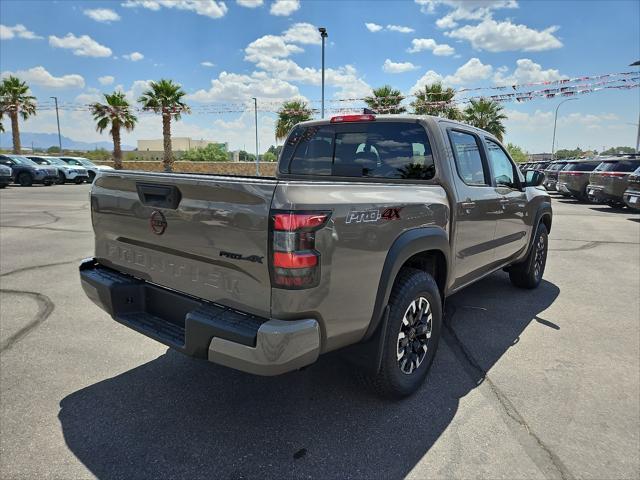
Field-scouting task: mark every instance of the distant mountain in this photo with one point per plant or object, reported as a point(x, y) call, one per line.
point(46, 140)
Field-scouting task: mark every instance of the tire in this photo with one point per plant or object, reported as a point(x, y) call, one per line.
point(528, 274)
point(3, 186)
point(78, 181)
point(61, 178)
point(400, 376)
point(92, 177)
point(25, 179)
point(48, 183)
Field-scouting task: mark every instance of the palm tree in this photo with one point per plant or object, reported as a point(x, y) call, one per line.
point(385, 99)
point(290, 114)
point(16, 102)
point(165, 97)
point(487, 115)
point(117, 113)
point(425, 98)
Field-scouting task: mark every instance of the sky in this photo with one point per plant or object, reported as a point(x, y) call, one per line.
point(223, 53)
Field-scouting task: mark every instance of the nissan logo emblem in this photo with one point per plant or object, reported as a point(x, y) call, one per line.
point(158, 222)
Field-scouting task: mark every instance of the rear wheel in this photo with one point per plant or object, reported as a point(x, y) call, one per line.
point(25, 179)
point(413, 332)
point(528, 274)
point(61, 178)
point(78, 181)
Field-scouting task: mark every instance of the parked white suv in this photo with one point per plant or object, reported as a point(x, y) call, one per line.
point(91, 167)
point(66, 172)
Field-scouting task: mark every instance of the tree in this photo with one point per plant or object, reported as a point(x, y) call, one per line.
point(244, 156)
point(16, 102)
point(275, 150)
point(165, 97)
point(214, 152)
point(53, 149)
point(565, 153)
point(616, 150)
point(425, 98)
point(290, 114)
point(116, 112)
point(269, 157)
point(518, 155)
point(487, 115)
point(386, 99)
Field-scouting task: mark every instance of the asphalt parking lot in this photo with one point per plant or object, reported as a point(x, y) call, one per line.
point(527, 384)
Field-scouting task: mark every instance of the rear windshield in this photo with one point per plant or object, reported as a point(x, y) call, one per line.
point(619, 166)
point(373, 150)
point(580, 167)
point(556, 166)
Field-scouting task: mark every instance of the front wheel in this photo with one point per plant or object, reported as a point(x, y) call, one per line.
point(528, 274)
point(413, 332)
point(61, 178)
point(25, 179)
point(78, 181)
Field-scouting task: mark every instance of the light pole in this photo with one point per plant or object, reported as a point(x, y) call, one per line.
point(555, 121)
point(58, 119)
point(637, 64)
point(323, 34)
point(255, 111)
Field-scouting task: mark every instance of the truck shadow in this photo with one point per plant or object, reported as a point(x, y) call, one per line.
point(178, 417)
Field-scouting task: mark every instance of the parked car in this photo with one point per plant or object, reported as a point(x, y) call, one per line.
point(632, 194)
point(551, 174)
point(273, 273)
point(26, 172)
point(66, 172)
point(610, 179)
point(92, 168)
point(6, 177)
point(574, 177)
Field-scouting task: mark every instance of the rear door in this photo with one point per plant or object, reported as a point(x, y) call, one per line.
point(201, 235)
point(511, 229)
point(477, 207)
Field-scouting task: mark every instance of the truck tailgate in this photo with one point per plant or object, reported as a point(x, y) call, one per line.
point(205, 236)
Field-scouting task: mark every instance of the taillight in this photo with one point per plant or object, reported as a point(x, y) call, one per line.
point(614, 174)
point(366, 117)
point(295, 264)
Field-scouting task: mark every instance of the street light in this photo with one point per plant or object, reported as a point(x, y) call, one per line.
point(323, 34)
point(58, 120)
point(555, 121)
point(255, 110)
point(637, 64)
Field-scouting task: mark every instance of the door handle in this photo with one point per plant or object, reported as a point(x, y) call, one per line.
point(504, 200)
point(468, 205)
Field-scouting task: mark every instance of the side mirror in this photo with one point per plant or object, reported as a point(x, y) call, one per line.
point(533, 178)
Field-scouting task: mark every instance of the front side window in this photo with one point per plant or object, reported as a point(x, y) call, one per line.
point(503, 170)
point(371, 150)
point(466, 151)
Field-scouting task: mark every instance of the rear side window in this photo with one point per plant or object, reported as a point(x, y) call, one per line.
point(619, 166)
point(372, 150)
point(466, 151)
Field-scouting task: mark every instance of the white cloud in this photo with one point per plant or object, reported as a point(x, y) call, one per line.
point(250, 3)
point(284, 8)
point(134, 56)
point(373, 27)
point(106, 80)
point(527, 71)
point(400, 28)
point(506, 36)
point(19, 30)
point(41, 77)
point(427, 79)
point(104, 15)
point(137, 87)
point(401, 67)
point(472, 71)
point(464, 9)
point(304, 33)
point(91, 95)
point(233, 86)
point(83, 46)
point(420, 44)
point(207, 64)
point(207, 8)
point(269, 46)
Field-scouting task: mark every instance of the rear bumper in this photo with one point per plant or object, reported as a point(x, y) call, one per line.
point(599, 194)
point(202, 329)
point(550, 184)
point(632, 199)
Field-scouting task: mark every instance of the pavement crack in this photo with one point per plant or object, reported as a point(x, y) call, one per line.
point(45, 308)
point(36, 267)
point(542, 455)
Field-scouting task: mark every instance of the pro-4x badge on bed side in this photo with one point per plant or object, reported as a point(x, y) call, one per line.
point(373, 215)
